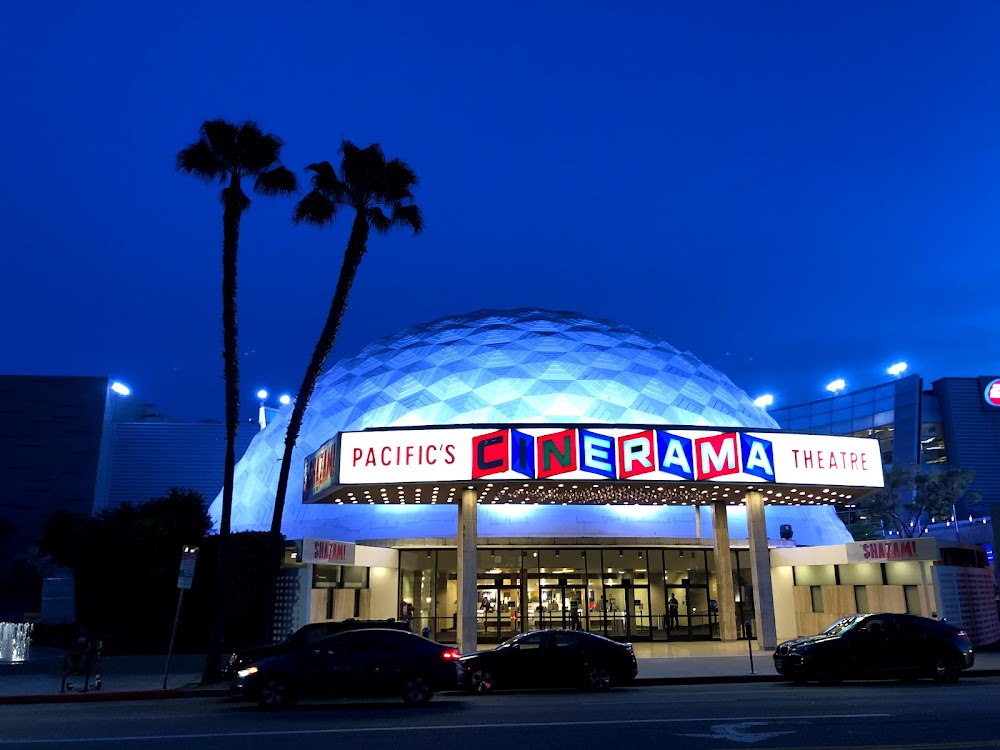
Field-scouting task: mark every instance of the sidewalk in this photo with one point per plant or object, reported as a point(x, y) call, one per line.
point(659, 664)
point(125, 677)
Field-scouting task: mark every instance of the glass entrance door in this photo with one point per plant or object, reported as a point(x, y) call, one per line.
point(562, 608)
point(627, 613)
point(499, 615)
point(615, 612)
point(690, 614)
point(640, 617)
point(508, 613)
point(487, 614)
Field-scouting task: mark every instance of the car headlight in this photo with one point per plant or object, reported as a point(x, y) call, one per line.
point(247, 672)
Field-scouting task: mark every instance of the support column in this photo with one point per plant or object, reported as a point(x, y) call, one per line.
point(760, 566)
point(723, 570)
point(697, 521)
point(467, 571)
point(925, 594)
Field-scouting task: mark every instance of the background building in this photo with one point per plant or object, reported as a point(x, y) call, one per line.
point(953, 423)
point(75, 443)
point(50, 446)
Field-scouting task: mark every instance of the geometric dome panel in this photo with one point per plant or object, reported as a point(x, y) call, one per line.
point(491, 366)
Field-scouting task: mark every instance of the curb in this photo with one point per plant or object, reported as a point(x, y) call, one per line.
point(97, 696)
point(100, 696)
point(752, 678)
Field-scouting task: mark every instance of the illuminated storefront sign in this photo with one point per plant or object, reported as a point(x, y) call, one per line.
point(605, 453)
point(327, 552)
point(992, 392)
point(318, 475)
point(896, 550)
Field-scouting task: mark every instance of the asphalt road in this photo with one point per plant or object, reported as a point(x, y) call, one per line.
point(769, 715)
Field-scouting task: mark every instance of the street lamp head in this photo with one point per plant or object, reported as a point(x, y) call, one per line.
point(284, 399)
point(120, 388)
point(897, 369)
point(764, 401)
point(836, 385)
point(261, 394)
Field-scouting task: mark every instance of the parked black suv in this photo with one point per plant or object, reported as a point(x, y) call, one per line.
point(876, 646)
point(304, 637)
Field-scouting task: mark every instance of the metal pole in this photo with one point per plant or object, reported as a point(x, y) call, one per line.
point(747, 631)
point(173, 635)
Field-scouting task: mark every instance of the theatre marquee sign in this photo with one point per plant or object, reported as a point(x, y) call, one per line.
point(599, 453)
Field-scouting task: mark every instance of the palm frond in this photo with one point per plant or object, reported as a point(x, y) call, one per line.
point(400, 179)
point(377, 220)
point(408, 217)
point(276, 181)
point(325, 180)
point(258, 151)
point(362, 169)
point(221, 137)
point(315, 208)
point(199, 160)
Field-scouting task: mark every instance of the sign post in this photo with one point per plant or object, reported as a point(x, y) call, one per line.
point(189, 556)
point(748, 634)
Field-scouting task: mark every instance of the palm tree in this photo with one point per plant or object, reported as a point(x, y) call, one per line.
point(230, 153)
point(380, 193)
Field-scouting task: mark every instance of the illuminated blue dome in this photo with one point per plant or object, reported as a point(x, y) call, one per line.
point(491, 366)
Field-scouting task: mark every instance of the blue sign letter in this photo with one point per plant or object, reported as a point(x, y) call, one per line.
point(522, 453)
point(597, 454)
point(758, 457)
point(675, 455)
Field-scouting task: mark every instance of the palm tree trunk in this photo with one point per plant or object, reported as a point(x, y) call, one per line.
point(230, 243)
point(356, 246)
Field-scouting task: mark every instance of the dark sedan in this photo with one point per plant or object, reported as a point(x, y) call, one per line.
point(307, 635)
point(552, 658)
point(358, 663)
point(877, 646)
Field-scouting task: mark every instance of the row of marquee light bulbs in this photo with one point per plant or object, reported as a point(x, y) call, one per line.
point(602, 494)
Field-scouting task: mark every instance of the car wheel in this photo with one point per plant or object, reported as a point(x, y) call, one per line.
point(946, 669)
point(482, 681)
point(417, 690)
point(274, 693)
point(598, 678)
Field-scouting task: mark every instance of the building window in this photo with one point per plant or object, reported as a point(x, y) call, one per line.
point(932, 448)
point(816, 594)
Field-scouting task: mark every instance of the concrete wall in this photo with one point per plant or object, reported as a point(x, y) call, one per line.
point(384, 583)
point(784, 606)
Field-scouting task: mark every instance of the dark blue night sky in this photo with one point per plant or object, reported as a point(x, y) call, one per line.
point(793, 193)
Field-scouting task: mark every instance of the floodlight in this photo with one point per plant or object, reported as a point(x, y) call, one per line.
point(284, 399)
point(764, 401)
point(836, 385)
point(897, 369)
point(120, 388)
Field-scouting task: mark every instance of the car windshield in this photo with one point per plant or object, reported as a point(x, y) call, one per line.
point(842, 626)
point(511, 641)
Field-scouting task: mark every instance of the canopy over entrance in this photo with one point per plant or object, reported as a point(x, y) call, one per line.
point(602, 465)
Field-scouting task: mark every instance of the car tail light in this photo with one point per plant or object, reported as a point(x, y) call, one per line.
point(450, 654)
point(963, 634)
